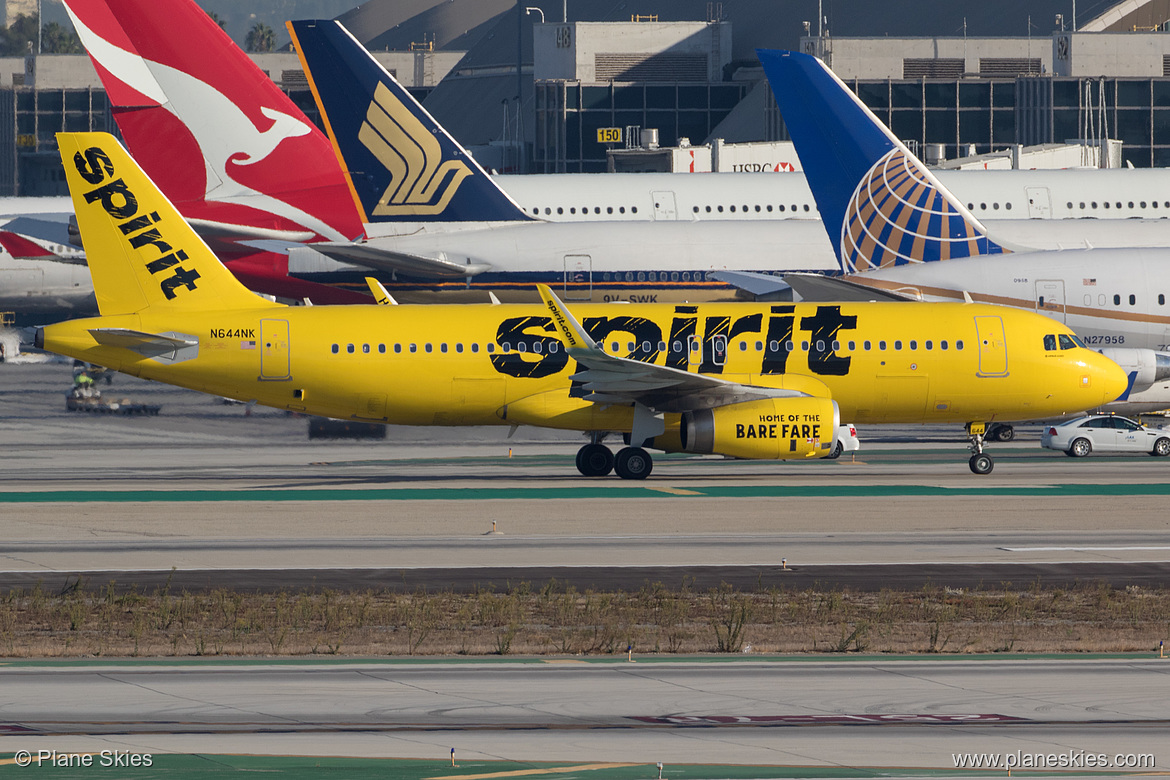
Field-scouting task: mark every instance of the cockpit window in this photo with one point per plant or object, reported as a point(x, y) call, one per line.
point(1050, 342)
point(1068, 342)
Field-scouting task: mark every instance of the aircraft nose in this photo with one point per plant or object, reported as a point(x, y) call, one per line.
point(1110, 378)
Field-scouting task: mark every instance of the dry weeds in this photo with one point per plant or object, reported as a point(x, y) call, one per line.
point(556, 620)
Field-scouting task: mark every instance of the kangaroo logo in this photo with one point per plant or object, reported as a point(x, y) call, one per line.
point(898, 216)
point(420, 183)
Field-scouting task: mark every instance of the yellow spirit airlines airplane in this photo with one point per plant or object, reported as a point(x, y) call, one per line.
point(745, 380)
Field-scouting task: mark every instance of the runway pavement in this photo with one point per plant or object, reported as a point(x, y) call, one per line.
point(884, 714)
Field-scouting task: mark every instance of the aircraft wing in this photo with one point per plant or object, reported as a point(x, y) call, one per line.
point(380, 259)
point(19, 245)
point(610, 379)
point(761, 286)
point(815, 287)
point(145, 344)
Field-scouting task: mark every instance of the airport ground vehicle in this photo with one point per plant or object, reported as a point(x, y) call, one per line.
point(1105, 433)
point(847, 441)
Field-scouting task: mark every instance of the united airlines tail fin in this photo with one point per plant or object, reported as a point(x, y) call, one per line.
point(402, 164)
point(141, 252)
point(212, 129)
point(879, 203)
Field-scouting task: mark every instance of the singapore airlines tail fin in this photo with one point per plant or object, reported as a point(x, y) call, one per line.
point(403, 166)
point(879, 203)
point(211, 128)
point(141, 252)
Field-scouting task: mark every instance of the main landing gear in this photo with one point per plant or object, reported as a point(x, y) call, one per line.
point(597, 460)
point(979, 463)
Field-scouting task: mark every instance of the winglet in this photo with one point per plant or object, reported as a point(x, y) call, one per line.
point(380, 295)
point(573, 335)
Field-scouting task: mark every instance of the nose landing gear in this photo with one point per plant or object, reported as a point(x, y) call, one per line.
point(979, 462)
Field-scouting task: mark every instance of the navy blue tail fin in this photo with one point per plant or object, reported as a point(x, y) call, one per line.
point(879, 203)
point(403, 166)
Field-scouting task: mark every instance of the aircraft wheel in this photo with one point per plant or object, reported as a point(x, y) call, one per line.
point(981, 464)
point(594, 460)
point(1161, 448)
point(1080, 448)
point(633, 463)
point(1005, 433)
point(836, 453)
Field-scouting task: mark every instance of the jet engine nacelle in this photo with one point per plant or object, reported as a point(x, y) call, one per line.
point(1145, 366)
point(773, 429)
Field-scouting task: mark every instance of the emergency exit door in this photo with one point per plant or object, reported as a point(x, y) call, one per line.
point(664, 205)
point(992, 346)
point(274, 351)
point(578, 278)
point(1039, 202)
point(1050, 298)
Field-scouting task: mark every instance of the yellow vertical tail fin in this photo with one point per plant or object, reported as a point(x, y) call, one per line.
point(141, 253)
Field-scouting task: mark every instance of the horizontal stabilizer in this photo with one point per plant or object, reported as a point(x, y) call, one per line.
point(43, 227)
point(388, 260)
point(145, 344)
point(815, 287)
point(761, 286)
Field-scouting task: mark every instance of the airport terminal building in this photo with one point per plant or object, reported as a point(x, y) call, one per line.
point(551, 87)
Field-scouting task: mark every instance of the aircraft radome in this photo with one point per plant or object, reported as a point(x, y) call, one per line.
point(765, 381)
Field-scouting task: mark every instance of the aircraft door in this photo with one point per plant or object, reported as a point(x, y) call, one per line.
point(992, 346)
point(578, 278)
point(719, 349)
point(665, 207)
point(274, 350)
point(1039, 202)
point(694, 352)
point(1050, 298)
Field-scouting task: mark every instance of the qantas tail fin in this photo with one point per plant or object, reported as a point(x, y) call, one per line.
point(402, 164)
point(141, 252)
point(880, 205)
point(214, 132)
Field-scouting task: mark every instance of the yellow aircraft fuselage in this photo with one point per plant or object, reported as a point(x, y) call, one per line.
point(504, 364)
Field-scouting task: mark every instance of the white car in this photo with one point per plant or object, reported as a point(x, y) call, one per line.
point(847, 441)
point(1105, 433)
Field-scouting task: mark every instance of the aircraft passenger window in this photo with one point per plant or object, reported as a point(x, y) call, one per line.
point(719, 209)
point(1101, 299)
point(366, 348)
point(459, 347)
point(641, 276)
point(662, 346)
point(609, 209)
point(381, 349)
point(769, 208)
point(397, 348)
point(942, 345)
point(629, 346)
point(1116, 300)
point(622, 210)
point(867, 345)
point(732, 209)
point(1105, 204)
point(1050, 342)
point(836, 345)
point(806, 207)
point(521, 347)
point(645, 346)
point(1088, 300)
point(1093, 204)
point(1167, 204)
point(547, 210)
point(695, 209)
point(1131, 204)
point(781, 207)
point(1066, 342)
point(789, 345)
point(745, 208)
point(676, 346)
point(1008, 206)
point(913, 344)
point(489, 347)
point(959, 344)
point(633, 209)
point(708, 209)
point(336, 349)
point(536, 210)
point(1041, 301)
point(995, 206)
point(349, 348)
point(929, 345)
point(983, 206)
point(443, 347)
point(553, 346)
point(573, 210)
point(759, 346)
point(882, 345)
point(1132, 300)
point(804, 346)
point(898, 344)
point(414, 347)
point(820, 346)
point(506, 347)
point(757, 208)
point(852, 345)
point(613, 347)
point(629, 276)
point(1118, 204)
point(674, 276)
point(1082, 205)
point(560, 210)
point(1070, 204)
point(597, 209)
point(694, 344)
point(1161, 299)
point(653, 276)
point(428, 347)
point(743, 346)
point(970, 206)
point(1142, 204)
